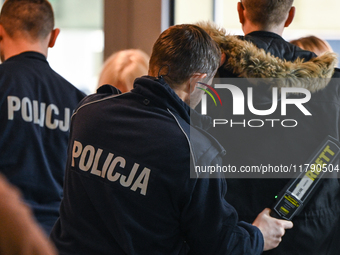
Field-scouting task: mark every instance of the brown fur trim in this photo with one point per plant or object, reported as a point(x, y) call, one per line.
point(248, 61)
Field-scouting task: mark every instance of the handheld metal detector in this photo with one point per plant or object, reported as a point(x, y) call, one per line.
point(296, 194)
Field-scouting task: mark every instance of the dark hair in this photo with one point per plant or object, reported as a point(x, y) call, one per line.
point(182, 50)
point(267, 12)
point(32, 17)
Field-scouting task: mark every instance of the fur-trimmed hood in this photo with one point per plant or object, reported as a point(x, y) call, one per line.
point(245, 60)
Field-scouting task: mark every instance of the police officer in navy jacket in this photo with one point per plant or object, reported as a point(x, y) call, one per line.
point(131, 180)
point(36, 105)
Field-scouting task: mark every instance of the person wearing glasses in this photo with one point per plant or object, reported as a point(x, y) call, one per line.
point(131, 185)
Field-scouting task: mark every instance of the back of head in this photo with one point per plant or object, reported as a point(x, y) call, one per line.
point(181, 51)
point(32, 19)
point(267, 13)
point(123, 67)
point(312, 43)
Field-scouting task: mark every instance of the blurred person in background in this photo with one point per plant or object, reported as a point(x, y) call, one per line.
point(123, 67)
point(313, 44)
point(19, 232)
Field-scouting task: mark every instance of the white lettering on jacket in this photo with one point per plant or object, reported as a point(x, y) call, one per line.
point(38, 113)
point(88, 158)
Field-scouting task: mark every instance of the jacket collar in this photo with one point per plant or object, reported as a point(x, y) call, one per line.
point(160, 93)
point(28, 54)
point(264, 34)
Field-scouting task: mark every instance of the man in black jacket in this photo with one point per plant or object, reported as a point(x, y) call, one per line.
point(36, 105)
point(128, 183)
point(275, 141)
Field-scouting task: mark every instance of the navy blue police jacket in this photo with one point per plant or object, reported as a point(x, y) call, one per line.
point(128, 188)
point(36, 105)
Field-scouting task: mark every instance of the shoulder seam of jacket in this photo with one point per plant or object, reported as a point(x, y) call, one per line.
point(97, 101)
point(188, 140)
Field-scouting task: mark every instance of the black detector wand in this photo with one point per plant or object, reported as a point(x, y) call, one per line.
point(296, 194)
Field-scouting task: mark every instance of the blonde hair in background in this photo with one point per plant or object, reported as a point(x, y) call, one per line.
point(313, 43)
point(123, 67)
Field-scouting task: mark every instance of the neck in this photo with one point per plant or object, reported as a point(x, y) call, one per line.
point(182, 94)
point(15, 47)
point(248, 28)
point(182, 91)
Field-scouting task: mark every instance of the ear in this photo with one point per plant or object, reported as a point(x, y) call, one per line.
point(196, 77)
point(290, 18)
point(53, 38)
point(223, 58)
point(240, 10)
point(2, 32)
